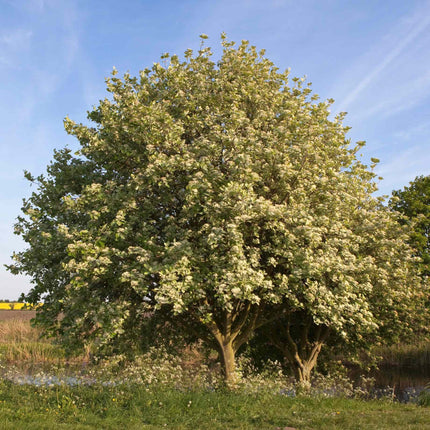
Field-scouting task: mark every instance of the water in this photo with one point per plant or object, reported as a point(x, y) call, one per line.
point(406, 381)
point(402, 383)
point(46, 375)
point(46, 378)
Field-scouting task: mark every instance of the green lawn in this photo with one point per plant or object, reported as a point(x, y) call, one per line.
point(97, 407)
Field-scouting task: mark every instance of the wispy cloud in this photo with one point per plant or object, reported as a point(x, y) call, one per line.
point(29, 5)
point(43, 54)
point(405, 96)
point(400, 39)
point(404, 167)
point(280, 3)
point(16, 38)
point(5, 61)
point(413, 132)
point(39, 4)
point(13, 42)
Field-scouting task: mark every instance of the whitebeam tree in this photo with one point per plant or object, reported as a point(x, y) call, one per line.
point(211, 190)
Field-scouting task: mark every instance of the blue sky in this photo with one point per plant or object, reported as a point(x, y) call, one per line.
point(372, 57)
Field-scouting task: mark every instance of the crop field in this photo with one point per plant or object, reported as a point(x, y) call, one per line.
point(11, 305)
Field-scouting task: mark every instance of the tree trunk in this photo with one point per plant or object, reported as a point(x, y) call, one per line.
point(230, 331)
point(228, 361)
point(303, 365)
point(302, 370)
point(300, 353)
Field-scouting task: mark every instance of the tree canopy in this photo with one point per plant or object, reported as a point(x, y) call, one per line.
point(220, 192)
point(413, 202)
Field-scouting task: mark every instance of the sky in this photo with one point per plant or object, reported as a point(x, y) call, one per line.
point(372, 57)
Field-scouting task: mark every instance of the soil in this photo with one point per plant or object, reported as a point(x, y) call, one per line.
point(8, 314)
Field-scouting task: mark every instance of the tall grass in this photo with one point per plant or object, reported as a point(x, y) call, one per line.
point(18, 330)
point(406, 355)
point(22, 343)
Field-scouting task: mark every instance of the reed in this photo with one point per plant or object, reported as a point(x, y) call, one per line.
point(30, 352)
point(405, 355)
point(22, 343)
point(19, 330)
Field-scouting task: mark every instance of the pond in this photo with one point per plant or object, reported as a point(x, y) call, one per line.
point(44, 375)
point(404, 382)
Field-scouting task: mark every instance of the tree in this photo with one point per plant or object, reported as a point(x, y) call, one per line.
point(357, 285)
point(413, 202)
point(213, 192)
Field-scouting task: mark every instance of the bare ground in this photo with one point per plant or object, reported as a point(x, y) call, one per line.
point(7, 314)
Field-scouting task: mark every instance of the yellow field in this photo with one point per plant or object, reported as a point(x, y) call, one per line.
point(13, 305)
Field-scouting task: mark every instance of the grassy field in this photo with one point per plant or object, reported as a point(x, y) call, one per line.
point(161, 399)
point(97, 407)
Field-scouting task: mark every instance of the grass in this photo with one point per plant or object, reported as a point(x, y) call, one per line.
point(136, 407)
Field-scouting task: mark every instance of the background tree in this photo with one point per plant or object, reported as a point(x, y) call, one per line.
point(212, 192)
point(413, 202)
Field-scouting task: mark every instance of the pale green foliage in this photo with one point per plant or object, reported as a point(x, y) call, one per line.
point(213, 191)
